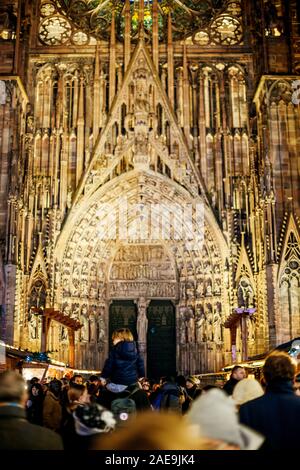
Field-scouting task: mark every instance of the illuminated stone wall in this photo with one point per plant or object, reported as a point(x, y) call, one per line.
point(132, 108)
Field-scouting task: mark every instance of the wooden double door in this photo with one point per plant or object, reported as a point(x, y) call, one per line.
point(161, 333)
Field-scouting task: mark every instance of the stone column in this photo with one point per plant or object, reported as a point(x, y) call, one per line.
point(244, 330)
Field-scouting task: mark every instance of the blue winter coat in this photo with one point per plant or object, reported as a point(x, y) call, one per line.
point(124, 365)
point(276, 415)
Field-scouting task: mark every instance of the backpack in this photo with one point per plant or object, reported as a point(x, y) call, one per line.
point(123, 408)
point(169, 400)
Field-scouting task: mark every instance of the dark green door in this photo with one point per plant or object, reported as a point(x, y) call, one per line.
point(122, 314)
point(161, 339)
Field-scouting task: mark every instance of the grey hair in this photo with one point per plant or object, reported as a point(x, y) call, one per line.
point(12, 386)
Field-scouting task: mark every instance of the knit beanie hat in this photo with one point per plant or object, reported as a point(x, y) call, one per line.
point(246, 390)
point(215, 414)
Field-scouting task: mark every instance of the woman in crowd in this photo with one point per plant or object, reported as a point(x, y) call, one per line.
point(52, 408)
point(34, 405)
point(76, 396)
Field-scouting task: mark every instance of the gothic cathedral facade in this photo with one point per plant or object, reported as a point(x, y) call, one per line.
point(149, 176)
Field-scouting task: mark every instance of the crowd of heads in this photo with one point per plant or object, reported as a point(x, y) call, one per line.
point(205, 417)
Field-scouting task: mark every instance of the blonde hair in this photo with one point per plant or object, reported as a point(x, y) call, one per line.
point(122, 334)
point(155, 431)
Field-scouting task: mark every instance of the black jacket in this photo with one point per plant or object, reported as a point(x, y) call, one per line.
point(229, 386)
point(276, 415)
point(16, 433)
point(124, 365)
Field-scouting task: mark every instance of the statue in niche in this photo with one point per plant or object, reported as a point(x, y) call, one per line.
point(66, 309)
point(200, 326)
point(217, 327)
point(217, 286)
point(208, 289)
point(209, 317)
point(142, 322)
point(93, 290)
point(199, 290)
point(190, 325)
point(84, 288)
point(75, 287)
point(76, 270)
point(93, 328)
point(85, 324)
point(32, 326)
point(101, 328)
point(245, 294)
point(190, 290)
point(141, 103)
point(250, 328)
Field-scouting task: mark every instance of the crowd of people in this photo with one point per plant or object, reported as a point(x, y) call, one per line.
point(122, 410)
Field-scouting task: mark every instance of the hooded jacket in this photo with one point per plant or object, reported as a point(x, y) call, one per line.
point(124, 365)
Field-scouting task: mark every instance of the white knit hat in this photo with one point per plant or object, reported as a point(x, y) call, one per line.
point(246, 390)
point(215, 414)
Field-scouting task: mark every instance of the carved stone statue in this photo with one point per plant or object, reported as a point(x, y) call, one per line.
point(85, 324)
point(209, 317)
point(208, 289)
point(93, 328)
point(217, 327)
point(250, 329)
point(200, 326)
point(101, 329)
point(245, 294)
point(32, 326)
point(142, 322)
point(182, 328)
point(190, 325)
